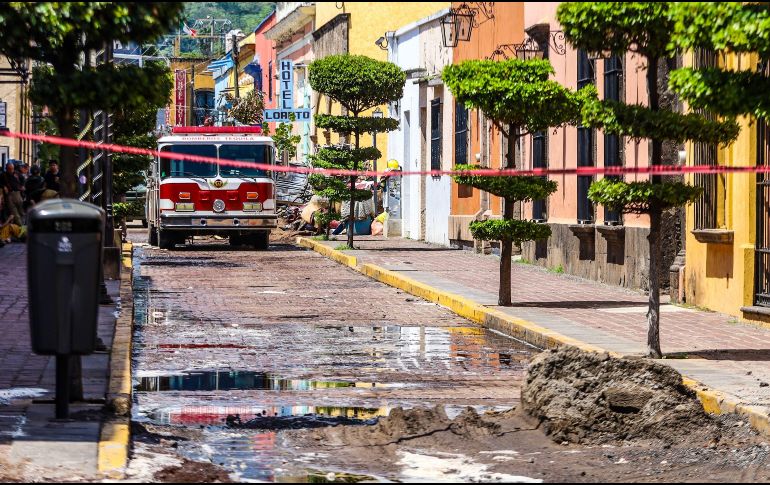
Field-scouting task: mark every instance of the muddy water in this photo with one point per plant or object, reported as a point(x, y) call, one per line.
point(243, 346)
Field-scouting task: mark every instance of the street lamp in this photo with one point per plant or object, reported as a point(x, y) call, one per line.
point(376, 114)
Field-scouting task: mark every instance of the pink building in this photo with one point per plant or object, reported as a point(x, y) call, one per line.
point(589, 241)
point(264, 55)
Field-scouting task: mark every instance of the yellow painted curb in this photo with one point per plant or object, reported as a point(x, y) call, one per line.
point(115, 436)
point(113, 449)
point(330, 253)
point(713, 401)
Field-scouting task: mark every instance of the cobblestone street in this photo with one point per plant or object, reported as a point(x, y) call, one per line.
point(222, 331)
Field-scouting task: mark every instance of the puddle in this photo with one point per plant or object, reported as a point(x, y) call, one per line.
point(8, 395)
point(239, 381)
point(261, 417)
point(253, 456)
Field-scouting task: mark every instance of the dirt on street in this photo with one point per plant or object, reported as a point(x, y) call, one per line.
point(643, 425)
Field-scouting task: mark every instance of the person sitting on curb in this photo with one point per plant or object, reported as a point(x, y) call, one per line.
point(10, 231)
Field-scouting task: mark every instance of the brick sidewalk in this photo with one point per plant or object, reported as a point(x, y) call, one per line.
point(30, 444)
point(722, 352)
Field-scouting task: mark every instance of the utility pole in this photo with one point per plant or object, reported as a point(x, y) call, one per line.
point(235, 60)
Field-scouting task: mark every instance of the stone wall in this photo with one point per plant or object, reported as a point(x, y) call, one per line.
point(614, 255)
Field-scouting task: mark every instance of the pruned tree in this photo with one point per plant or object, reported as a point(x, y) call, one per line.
point(358, 84)
point(519, 98)
point(58, 35)
point(644, 28)
point(249, 109)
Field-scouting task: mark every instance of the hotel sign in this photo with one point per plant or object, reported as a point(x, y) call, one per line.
point(286, 97)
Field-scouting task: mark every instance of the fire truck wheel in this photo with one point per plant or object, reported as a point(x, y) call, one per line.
point(167, 240)
point(152, 236)
point(261, 241)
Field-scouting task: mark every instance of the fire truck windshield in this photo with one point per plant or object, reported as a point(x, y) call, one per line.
point(256, 154)
point(172, 167)
point(261, 154)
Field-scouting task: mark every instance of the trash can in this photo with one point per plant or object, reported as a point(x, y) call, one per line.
point(64, 249)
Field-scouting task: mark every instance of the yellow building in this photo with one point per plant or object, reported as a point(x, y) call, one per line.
point(18, 116)
point(198, 82)
point(366, 23)
point(726, 267)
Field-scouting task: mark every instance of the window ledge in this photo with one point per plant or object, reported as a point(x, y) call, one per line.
point(713, 236)
point(582, 230)
point(612, 233)
point(756, 310)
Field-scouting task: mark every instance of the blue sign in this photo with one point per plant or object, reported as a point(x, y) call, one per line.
point(286, 98)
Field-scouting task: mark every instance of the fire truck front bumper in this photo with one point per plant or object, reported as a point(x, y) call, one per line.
point(218, 222)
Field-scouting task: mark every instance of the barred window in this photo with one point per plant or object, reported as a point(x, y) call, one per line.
point(707, 206)
point(540, 160)
point(461, 133)
point(435, 134)
point(613, 71)
point(585, 143)
point(270, 80)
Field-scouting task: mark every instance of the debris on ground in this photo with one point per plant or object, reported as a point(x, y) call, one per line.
point(590, 398)
point(193, 472)
point(307, 421)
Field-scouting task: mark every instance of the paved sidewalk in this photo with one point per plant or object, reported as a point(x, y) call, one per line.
point(721, 352)
point(33, 446)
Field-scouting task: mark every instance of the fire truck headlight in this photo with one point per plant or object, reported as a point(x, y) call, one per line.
point(185, 207)
point(252, 206)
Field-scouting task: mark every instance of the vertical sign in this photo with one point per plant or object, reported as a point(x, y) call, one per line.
point(180, 97)
point(286, 97)
point(3, 119)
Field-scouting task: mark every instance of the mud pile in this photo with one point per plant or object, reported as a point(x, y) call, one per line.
point(403, 425)
point(589, 398)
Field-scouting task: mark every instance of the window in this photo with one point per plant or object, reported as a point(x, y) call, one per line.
point(172, 167)
point(261, 154)
point(613, 70)
point(707, 206)
point(270, 81)
point(585, 144)
point(461, 133)
point(540, 160)
point(435, 134)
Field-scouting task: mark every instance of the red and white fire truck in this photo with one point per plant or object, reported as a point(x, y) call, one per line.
point(187, 198)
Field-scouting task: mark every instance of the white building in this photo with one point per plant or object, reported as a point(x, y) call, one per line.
point(424, 139)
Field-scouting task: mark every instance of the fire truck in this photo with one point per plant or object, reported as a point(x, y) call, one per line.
point(187, 198)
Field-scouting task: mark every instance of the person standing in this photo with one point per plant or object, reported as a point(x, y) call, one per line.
point(52, 176)
point(34, 186)
point(12, 191)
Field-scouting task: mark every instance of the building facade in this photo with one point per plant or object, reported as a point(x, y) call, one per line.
point(423, 140)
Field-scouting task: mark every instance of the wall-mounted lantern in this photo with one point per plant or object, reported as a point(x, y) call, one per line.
point(449, 29)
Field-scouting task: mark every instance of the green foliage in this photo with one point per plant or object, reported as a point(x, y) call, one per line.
point(733, 26)
point(642, 197)
point(343, 247)
point(512, 230)
point(728, 93)
point(249, 109)
point(284, 140)
point(336, 188)
point(349, 159)
point(56, 32)
point(244, 15)
point(108, 86)
point(513, 92)
point(55, 35)
point(518, 188)
point(639, 121)
point(617, 27)
point(346, 125)
point(121, 210)
point(134, 127)
point(47, 151)
point(358, 83)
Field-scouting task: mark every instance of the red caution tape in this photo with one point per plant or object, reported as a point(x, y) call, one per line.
point(490, 172)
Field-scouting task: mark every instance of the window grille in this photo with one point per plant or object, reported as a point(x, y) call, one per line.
point(435, 134)
point(707, 206)
point(613, 70)
point(585, 144)
point(540, 160)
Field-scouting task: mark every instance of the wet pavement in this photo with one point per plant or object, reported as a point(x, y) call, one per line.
point(235, 346)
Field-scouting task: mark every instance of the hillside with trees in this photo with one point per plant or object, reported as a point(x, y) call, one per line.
point(244, 15)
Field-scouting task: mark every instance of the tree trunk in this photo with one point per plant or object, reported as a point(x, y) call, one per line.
point(656, 214)
point(506, 247)
point(351, 216)
point(653, 312)
point(67, 156)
